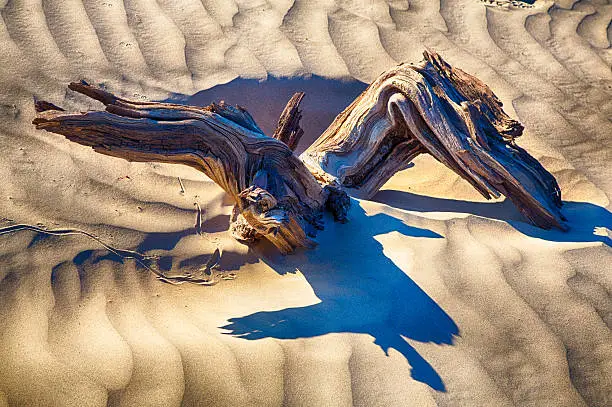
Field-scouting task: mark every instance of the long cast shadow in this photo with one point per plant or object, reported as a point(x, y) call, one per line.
point(324, 100)
point(360, 291)
point(583, 218)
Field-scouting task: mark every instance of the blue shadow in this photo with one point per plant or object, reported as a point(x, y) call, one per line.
point(582, 217)
point(360, 291)
point(324, 100)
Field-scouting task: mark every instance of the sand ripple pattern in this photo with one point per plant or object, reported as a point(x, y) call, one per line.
point(80, 328)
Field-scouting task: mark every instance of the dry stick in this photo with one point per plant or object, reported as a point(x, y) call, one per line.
point(213, 261)
point(198, 225)
point(124, 254)
point(182, 187)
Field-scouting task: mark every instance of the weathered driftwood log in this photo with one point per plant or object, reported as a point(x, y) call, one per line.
point(411, 109)
point(436, 109)
point(275, 194)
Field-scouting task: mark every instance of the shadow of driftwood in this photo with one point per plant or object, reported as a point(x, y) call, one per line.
point(583, 218)
point(361, 291)
point(324, 100)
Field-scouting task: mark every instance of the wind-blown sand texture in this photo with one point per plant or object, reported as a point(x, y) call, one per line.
point(428, 296)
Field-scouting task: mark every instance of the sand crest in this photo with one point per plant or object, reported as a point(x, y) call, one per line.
point(428, 296)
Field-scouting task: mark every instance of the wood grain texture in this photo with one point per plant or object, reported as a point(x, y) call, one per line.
point(440, 110)
point(288, 129)
point(276, 196)
point(409, 110)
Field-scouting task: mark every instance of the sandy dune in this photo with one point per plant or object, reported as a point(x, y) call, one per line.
point(429, 296)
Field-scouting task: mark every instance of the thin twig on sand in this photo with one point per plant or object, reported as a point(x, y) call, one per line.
point(140, 258)
point(181, 184)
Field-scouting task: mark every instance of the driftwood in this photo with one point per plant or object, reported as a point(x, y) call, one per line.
point(276, 196)
point(409, 110)
point(436, 109)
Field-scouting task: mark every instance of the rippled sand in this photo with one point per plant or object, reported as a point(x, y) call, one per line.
point(429, 296)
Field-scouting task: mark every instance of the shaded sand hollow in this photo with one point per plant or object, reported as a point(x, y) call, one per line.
point(428, 296)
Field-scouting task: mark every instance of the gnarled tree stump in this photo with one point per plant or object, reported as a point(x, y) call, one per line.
point(409, 110)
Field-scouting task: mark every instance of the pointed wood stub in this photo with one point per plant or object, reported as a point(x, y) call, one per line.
point(288, 129)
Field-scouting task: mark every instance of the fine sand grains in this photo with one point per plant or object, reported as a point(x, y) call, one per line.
point(428, 296)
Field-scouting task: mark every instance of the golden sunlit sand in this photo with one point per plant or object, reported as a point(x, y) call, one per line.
point(429, 295)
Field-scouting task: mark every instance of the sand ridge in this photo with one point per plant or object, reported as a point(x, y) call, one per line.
point(429, 288)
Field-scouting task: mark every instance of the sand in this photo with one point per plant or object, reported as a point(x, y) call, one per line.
point(428, 296)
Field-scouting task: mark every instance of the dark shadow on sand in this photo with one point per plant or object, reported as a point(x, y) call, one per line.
point(166, 241)
point(582, 217)
point(361, 291)
point(324, 100)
